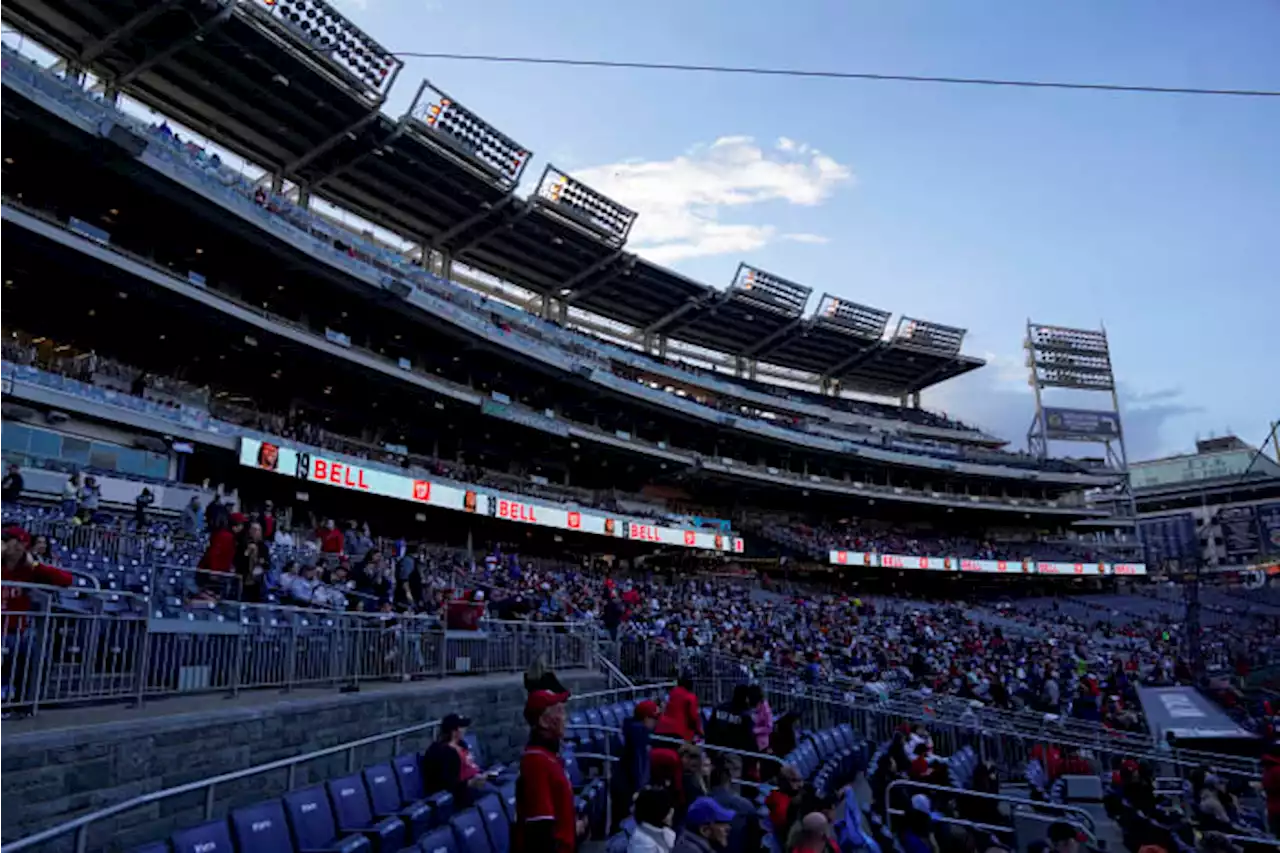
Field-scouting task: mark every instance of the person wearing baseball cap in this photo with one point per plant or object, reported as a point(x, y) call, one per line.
point(634, 765)
point(447, 765)
point(707, 825)
point(546, 819)
point(18, 565)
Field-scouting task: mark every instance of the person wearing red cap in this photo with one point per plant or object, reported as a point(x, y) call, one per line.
point(21, 567)
point(546, 820)
point(633, 767)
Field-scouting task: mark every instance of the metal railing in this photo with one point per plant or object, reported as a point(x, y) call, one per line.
point(81, 826)
point(57, 655)
point(1009, 738)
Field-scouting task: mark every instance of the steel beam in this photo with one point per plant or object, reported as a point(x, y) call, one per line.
point(122, 33)
point(173, 49)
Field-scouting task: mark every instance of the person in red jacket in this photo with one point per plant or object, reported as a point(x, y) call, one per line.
point(681, 718)
point(1271, 786)
point(20, 567)
point(219, 556)
point(546, 817)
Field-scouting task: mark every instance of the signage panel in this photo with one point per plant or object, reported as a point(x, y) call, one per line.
point(316, 468)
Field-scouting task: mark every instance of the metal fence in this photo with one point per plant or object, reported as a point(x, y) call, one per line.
point(55, 657)
point(1010, 739)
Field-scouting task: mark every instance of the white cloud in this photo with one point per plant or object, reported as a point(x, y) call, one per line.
point(681, 200)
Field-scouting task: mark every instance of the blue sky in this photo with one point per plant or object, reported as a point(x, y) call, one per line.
point(978, 207)
point(971, 206)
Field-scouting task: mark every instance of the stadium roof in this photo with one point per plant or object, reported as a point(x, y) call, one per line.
point(443, 177)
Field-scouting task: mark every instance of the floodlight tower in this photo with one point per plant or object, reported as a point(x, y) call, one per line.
point(1080, 360)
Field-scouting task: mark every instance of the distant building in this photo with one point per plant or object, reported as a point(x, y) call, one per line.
point(1221, 503)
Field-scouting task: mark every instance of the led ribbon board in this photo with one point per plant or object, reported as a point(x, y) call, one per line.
point(1025, 566)
point(331, 471)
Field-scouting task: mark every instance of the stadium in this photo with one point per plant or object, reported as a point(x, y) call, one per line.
point(333, 538)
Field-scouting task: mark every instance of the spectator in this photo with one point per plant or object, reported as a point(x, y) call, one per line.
point(695, 777)
point(251, 562)
point(778, 802)
point(301, 584)
point(447, 765)
point(917, 833)
point(783, 741)
point(71, 497)
point(217, 513)
point(681, 718)
point(20, 635)
point(707, 826)
point(1271, 786)
point(546, 818)
point(654, 815)
point(1064, 837)
point(633, 770)
point(11, 489)
point(268, 521)
point(90, 498)
point(331, 539)
point(815, 835)
point(762, 718)
point(192, 517)
point(141, 504)
point(220, 555)
point(743, 834)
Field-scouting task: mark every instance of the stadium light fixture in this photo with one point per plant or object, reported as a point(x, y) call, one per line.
point(585, 206)
point(335, 38)
point(930, 336)
point(769, 290)
point(1069, 358)
point(469, 135)
point(861, 320)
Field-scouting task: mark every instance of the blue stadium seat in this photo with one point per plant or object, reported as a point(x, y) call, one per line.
point(157, 847)
point(409, 777)
point(441, 808)
point(261, 828)
point(468, 831)
point(313, 824)
point(569, 758)
point(353, 813)
point(438, 841)
point(384, 797)
point(509, 801)
point(495, 822)
point(211, 837)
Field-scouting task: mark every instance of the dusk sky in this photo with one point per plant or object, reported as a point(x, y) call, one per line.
point(979, 207)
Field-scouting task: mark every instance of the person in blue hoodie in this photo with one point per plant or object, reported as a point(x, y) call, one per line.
point(633, 766)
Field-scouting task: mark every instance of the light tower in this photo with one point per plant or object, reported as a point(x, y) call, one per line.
point(1078, 360)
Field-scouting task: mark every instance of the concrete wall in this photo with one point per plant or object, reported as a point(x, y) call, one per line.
point(50, 776)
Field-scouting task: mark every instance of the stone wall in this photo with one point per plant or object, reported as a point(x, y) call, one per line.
point(49, 777)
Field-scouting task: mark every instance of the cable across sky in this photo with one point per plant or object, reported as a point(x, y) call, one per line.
point(841, 75)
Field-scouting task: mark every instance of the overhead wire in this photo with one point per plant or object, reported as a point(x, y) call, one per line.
point(839, 75)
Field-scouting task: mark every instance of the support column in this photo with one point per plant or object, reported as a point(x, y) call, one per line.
point(304, 196)
point(915, 400)
point(662, 346)
point(277, 183)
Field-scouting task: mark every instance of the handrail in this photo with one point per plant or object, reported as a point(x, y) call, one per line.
point(612, 669)
point(81, 824)
point(44, 587)
point(1003, 798)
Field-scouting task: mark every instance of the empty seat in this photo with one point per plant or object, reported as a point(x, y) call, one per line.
point(495, 822)
point(442, 806)
point(211, 837)
point(438, 841)
point(353, 812)
point(468, 831)
point(157, 847)
point(409, 777)
point(261, 828)
point(384, 797)
point(313, 824)
point(508, 793)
